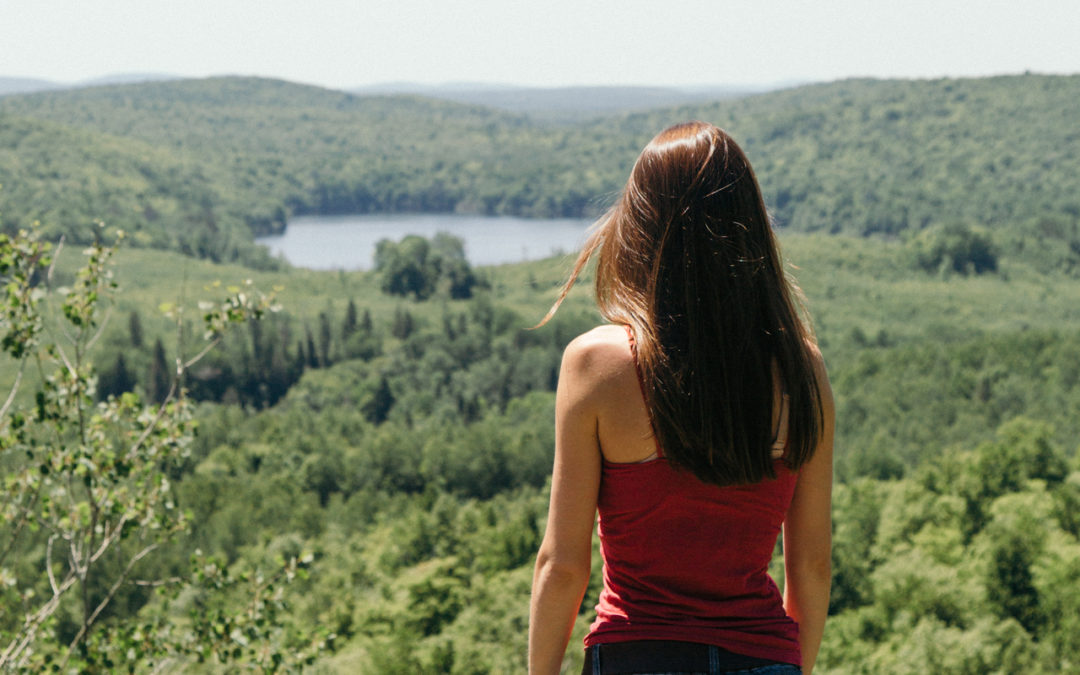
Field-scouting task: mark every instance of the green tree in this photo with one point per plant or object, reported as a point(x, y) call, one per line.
point(956, 247)
point(377, 408)
point(87, 499)
point(349, 324)
point(406, 267)
point(1010, 585)
point(418, 267)
point(403, 325)
point(456, 277)
point(159, 378)
point(325, 340)
point(135, 329)
point(116, 380)
point(312, 354)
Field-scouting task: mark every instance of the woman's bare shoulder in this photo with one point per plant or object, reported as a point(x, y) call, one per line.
point(817, 361)
point(601, 353)
point(604, 341)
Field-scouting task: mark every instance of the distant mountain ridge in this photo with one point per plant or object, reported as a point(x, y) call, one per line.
point(201, 165)
point(27, 85)
point(567, 103)
point(24, 85)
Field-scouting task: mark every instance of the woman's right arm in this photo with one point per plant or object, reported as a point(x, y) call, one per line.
point(808, 534)
point(564, 559)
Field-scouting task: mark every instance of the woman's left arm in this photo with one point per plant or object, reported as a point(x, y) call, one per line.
point(808, 534)
point(564, 559)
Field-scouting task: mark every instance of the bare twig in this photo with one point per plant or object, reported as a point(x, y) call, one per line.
point(101, 328)
point(108, 540)
point(154, 422)
point(63, 356)
point(24, 518)
point(52, 263)
point(76, 557)
point(105, 601)
point(156, 583)
point(48, 563)
point(14, 390)
point(14, 652)
point(183, 366)
point(159, 668)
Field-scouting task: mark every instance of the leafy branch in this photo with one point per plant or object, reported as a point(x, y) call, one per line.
point(88, 479)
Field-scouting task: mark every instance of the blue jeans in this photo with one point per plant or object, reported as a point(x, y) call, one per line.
point(707, 660)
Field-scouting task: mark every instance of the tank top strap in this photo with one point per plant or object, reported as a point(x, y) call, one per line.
point(780, 438)
point(641, 387)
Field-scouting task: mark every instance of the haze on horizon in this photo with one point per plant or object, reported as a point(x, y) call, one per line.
point(346, 44)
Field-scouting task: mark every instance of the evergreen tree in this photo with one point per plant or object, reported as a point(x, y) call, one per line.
point(160, 378)
point(257, 343)
point(116, 380)
point(377, 409)
point(403, 324)
point(135, 330)
point(312, 355)
point(349, 325)
point(300, 359)
point(325, 340)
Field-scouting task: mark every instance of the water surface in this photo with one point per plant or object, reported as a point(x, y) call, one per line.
point(348, 242)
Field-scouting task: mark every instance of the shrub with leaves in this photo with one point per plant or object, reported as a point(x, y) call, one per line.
point(87, 496)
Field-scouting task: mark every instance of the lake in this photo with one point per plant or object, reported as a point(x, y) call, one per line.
point(348, 242)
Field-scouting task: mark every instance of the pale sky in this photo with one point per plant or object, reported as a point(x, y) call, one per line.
point(347, 43)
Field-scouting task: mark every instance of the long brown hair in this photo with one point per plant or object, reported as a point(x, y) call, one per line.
point(687, 259)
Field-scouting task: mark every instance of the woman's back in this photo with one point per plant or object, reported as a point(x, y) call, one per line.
point(683, 559)
point(624, 428)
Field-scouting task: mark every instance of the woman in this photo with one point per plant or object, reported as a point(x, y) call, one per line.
point(698, 424)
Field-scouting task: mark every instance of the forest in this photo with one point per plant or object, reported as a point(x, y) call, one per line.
point(354, 477)
point(199, 166)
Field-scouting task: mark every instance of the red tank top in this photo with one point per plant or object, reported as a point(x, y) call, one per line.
point(686, 560)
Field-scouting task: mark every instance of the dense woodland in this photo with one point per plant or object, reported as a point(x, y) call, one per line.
point(393, 429)
point(199, 165)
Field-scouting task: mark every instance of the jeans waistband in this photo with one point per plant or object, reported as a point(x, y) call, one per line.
point(670, 656)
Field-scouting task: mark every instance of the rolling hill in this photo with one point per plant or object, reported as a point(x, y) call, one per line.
point(859, 156)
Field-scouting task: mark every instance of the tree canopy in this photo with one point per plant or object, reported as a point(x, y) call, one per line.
point(201, 165)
